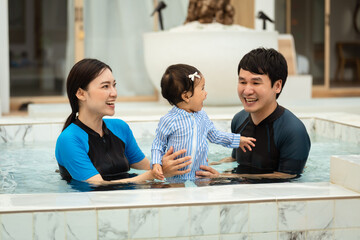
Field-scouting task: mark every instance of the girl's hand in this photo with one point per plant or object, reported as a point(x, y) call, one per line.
point(247, 142)
point(158, 172)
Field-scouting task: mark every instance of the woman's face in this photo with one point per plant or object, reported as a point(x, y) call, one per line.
point(100, 96)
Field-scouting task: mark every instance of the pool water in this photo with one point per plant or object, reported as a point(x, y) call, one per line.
point(31, 167)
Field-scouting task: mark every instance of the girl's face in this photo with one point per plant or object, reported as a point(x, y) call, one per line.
point(195, 102)
point(100, 96)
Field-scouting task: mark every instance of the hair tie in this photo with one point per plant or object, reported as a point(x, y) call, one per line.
point(192, 76)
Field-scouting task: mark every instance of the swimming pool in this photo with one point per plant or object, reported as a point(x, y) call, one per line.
point(310, 210)
point(31, 167)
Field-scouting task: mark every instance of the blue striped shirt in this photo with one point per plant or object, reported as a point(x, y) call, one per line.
point(184, 130)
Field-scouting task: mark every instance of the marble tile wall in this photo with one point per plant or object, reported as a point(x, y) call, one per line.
point(50, 131)
point(318, 219)
point(334, 130)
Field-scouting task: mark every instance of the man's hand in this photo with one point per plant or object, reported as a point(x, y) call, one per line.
point(224, 160)
point(208, 172)
point(171, 167)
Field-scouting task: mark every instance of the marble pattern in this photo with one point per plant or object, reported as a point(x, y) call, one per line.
point(320, 235)
point(347, 213)
point(16, 226)
point(204, 220)
point(113, 224)
point(294, 235)
point(144, 223)
point(263, 217)
point(234, 218)
point(81, 225)
point(292, 216)
point(174, 222)
point(320, 214)
point(49, 225)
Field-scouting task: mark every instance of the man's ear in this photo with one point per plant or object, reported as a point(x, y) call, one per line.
point(80, 94)
point(185, 96)
point(278, 86)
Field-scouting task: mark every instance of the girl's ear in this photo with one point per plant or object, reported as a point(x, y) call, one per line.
point(80, 94)
point(185, 96)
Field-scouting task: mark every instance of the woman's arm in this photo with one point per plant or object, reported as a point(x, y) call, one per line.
point(98, 180)
point(142, 165)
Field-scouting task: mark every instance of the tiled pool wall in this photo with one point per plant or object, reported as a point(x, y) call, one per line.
point(268, 215)
point(315, 219)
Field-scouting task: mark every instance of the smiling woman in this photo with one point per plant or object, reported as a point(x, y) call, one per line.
point(90, 148)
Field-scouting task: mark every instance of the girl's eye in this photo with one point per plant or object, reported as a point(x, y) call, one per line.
point(105, 86)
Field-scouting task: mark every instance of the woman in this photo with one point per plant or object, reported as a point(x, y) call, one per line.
point(97, 150)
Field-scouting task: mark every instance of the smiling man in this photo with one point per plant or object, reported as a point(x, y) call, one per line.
point(282, 142)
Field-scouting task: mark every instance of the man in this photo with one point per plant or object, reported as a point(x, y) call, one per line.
point(282, 143)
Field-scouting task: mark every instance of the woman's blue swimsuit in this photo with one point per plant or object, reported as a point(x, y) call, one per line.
point(82, 153)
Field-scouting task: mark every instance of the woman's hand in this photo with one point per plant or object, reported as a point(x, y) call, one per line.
point(171, 166)
point(208, 172)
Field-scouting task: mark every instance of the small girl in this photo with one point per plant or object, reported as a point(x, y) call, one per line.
point(186, 126)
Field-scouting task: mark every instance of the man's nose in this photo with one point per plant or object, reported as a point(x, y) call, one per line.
point(248, 89)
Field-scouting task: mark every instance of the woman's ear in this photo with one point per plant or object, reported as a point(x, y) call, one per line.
point(185, 96)
point(80, 94)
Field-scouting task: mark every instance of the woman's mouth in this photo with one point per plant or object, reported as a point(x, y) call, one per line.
point(110, 103)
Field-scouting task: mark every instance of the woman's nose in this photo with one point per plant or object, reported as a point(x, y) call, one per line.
point(113, 91)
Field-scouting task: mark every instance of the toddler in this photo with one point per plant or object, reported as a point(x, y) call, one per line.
point(186, 125)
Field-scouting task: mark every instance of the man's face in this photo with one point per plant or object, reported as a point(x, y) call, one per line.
point(256, 93)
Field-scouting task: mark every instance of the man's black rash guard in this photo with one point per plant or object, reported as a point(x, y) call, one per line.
point(282, 143)
point(82, 153)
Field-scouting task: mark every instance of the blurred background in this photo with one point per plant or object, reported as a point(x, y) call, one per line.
point(46, 37)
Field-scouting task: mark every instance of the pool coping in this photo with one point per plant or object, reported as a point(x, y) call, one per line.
point(149, 198)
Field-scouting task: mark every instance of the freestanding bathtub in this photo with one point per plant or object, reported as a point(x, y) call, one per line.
point(320, 210)
point(215, 52)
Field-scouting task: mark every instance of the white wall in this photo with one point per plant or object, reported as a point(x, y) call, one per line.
point(4, 58)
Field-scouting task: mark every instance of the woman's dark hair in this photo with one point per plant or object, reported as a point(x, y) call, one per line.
point(266, 61)
point(80, 75)
point(176, 81)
